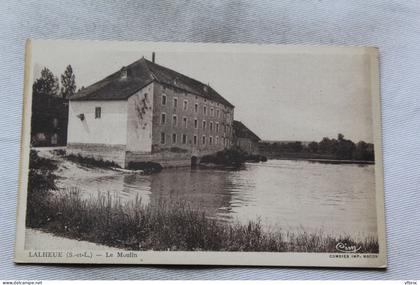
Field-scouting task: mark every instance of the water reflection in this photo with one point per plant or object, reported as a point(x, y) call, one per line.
point(291, 195)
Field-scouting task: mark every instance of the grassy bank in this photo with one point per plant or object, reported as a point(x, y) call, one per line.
point(174, 226)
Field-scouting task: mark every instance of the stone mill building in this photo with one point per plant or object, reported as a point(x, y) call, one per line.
point(147, 112)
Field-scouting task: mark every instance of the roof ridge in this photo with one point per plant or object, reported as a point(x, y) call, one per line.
point(177, 72)
point(140, 73)
point(144, 61)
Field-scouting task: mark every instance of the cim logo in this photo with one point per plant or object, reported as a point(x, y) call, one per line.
point(344, 247)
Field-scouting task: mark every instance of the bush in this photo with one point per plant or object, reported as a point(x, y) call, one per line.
point(60, 152)
point(255, 158)
point(147, 166)
point(91, 161)
point(230, 157)
point(41, 180)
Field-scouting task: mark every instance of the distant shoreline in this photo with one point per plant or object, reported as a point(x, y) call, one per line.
point(324, 160)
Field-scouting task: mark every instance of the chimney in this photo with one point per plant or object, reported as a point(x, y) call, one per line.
point(153, 57)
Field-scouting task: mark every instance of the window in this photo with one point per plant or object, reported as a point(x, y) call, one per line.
point(184, 120)
point(123, 73)
point(217, 113)
point(173, 138)
point(217, 140)
point(185, 106)
point(210, 140)
point(162, 118)
point(211, 112)
point(175, 103)
point(195, 139)
point(163, 99)
point(203, 140)
point(217, 127)
point(162, 138)
point(204, 125)
point(184, 139)
point(174, 120)
point(196, 107)
point(97, 112)
point(54, 139)
point(211, 126)
point(205, 110)
point(195, 123)
point(224, 127)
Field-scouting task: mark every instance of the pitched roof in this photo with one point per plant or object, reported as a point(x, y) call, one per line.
point(241, 131)
point(140, 74)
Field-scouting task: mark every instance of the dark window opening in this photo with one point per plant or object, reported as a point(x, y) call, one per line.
point(97, 112)
point(162, 138)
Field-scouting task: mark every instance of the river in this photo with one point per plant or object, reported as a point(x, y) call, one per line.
point(290, 195)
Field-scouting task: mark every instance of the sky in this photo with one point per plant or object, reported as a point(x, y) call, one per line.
point(279, 92)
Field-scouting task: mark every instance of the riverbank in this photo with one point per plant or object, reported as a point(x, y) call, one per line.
point(328, 161)
point(317, 158)
point(39, 240)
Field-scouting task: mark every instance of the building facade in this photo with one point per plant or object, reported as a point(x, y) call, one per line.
point(147, 112)
point(245, 139)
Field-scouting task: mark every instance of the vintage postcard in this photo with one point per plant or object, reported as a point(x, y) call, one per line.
point(201, 154)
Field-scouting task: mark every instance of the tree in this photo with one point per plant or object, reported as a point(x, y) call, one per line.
point(345, 148)
point(324, 146)
point(49, 110)
point(364, 151)
point(46, 85)
point(68, 83)
point(313, 147)
point(296, 146)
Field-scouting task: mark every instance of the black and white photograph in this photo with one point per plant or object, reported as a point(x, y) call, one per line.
point(211, 154)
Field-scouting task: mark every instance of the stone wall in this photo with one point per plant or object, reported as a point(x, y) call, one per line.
point(164, 158)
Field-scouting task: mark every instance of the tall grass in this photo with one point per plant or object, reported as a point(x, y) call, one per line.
point(169, 226)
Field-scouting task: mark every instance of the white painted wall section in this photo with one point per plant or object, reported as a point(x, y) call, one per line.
point(110, 128)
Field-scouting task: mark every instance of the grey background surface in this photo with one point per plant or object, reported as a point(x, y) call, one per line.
point(393, 26)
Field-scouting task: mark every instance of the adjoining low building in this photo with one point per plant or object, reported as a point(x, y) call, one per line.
point(147, 112)
point(244, 138)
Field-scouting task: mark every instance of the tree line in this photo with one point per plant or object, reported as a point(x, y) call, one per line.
point(50, 107)
point(331, 148)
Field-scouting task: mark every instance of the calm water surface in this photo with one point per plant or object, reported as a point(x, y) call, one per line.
point(283, 194)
